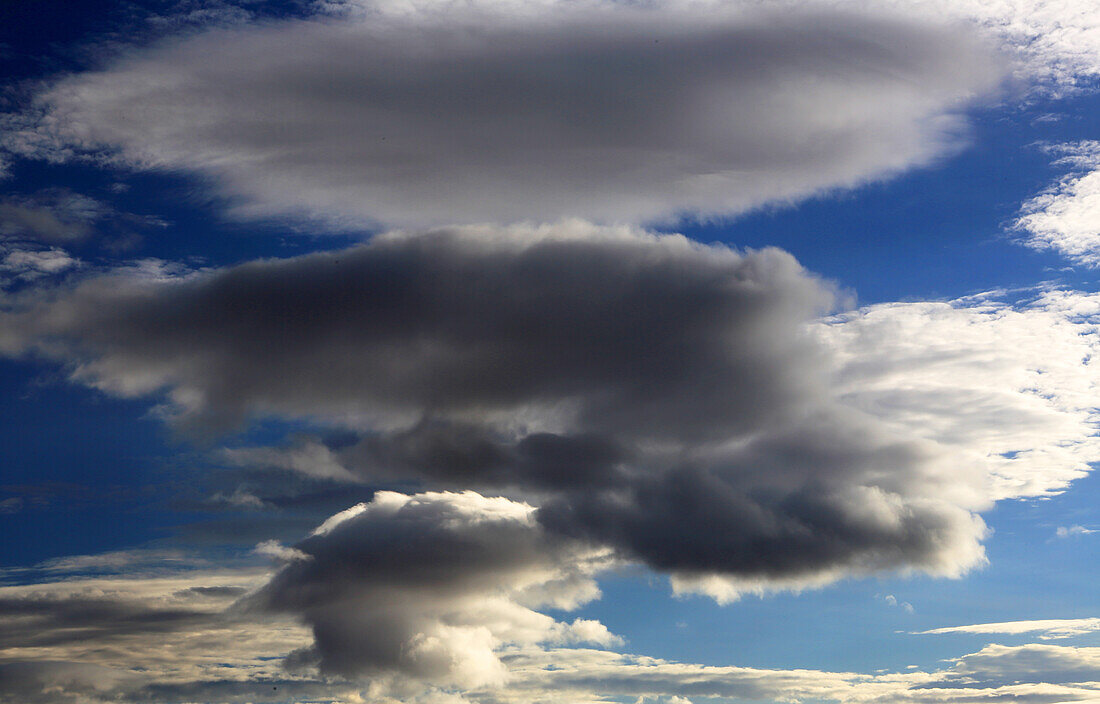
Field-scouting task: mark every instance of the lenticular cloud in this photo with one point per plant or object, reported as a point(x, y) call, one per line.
point(448, 115)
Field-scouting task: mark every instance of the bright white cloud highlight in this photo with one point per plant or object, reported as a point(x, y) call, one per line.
point(1011, 388)
point(1066, 216)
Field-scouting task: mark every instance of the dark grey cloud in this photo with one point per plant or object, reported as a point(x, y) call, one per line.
point(648, 393)
point(606, 330)
point(831, 493)
point(465, 114)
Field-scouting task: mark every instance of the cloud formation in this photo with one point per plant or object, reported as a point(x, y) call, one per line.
point(1007, 385)
point(1047, 628)
point(634, 387)
point(428, 587)
point(638, 388)
point(1065, 216)
point(458, 114)
point(170, 633)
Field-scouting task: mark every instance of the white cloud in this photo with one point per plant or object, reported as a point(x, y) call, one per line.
point(1049, 628)
point(1066, 216)
point(1007, 387)
point(892, 600)
point(1071, 531)
point(1026, 674)
point(27, 263)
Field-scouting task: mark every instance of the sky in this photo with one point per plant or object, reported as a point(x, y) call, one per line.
point(549, 351)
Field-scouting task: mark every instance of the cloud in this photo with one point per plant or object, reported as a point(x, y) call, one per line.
point(892, 600)
point(1033, 674)
point(1064, 217)
point(56, 216)
point(1001, 384)
point(1048, 628)
point(36, 229)
point(429, 587)
point(998, 665)
point(23, 264)
point(106, 637)
point(176, 636)
point(637, 388)
point(458, 114)
point(1071, 531)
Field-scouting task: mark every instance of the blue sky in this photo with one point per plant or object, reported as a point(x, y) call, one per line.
point(512, 351)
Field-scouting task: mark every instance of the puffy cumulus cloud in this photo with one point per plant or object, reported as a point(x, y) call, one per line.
point(1064, 217)
point(476, 112)
point(427, 588)
point(652, 394)
point(1047, 628)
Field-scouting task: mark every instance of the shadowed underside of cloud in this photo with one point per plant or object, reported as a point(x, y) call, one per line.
point(602, 111)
